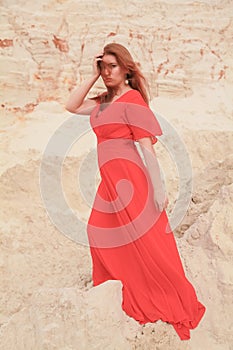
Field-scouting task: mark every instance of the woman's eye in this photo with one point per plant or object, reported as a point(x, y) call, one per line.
point(114, 65)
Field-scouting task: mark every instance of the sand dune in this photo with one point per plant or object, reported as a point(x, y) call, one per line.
point(47, 298)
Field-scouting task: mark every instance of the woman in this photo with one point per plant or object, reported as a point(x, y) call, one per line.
point(128, 229)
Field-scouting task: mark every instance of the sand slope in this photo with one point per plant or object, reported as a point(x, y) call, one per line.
point(185, 49)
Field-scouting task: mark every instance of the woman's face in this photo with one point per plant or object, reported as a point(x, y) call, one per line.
point(112, 74)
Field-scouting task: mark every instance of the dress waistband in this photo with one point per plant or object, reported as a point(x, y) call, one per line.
point(114, 141)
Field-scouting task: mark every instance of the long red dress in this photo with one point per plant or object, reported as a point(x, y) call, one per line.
point(129, 239)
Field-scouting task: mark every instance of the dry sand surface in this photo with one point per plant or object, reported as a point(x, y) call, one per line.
point(185, 49)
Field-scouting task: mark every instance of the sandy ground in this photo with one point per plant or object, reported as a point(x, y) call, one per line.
point(47, 298)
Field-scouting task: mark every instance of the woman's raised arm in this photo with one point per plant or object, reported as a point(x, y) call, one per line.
point(77, 103)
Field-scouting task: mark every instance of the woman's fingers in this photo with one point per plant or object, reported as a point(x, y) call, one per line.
point(161, 205)
point(165, 204)
point(97, 58)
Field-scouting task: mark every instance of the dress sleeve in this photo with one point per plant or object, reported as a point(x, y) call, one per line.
point(141, 120)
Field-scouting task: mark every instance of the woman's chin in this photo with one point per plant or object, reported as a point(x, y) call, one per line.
point(109, 83)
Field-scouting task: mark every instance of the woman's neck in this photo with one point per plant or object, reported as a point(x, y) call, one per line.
point(118, 91)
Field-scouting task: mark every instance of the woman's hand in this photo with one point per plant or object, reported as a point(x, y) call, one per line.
point(95, 66)
point(161, 201)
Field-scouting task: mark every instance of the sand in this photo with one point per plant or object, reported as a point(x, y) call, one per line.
point(185, 50)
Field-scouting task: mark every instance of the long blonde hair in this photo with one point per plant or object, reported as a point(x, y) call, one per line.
point(135, 78)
